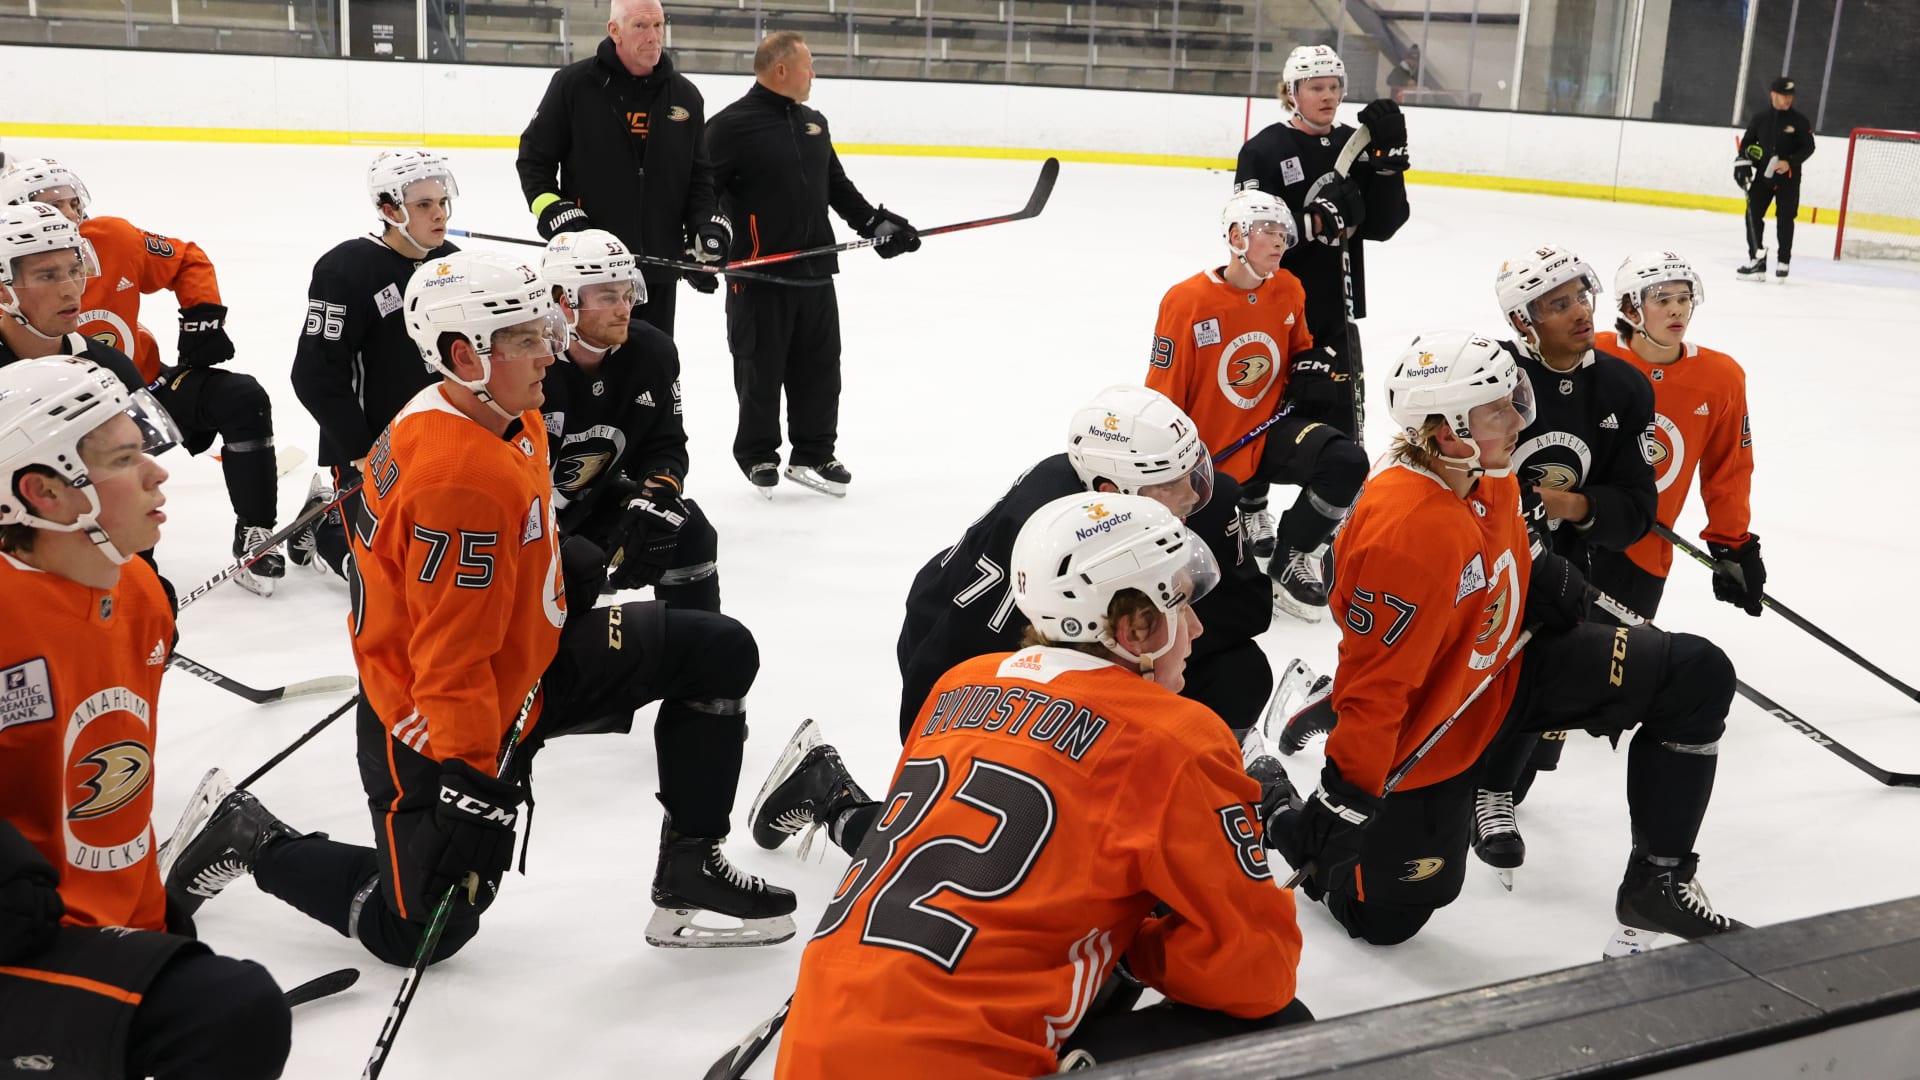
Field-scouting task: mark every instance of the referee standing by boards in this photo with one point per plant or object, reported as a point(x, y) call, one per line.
point(1777, 142)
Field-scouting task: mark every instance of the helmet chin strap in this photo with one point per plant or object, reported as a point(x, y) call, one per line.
point(13, 309)
point(1143, 662)
point(1240, 256)
point(88, 523)
point(1640, 327)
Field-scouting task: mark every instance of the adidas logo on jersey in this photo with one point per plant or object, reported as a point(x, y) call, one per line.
point(1611, 423)
point(123, 286)
point(159, 654)
point(1702, 410)
point(645, 398)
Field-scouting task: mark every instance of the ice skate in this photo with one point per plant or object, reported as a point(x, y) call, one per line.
point(1655, 900)
point(1496, 834)
point(303, 547)
point(213, 788)
point(764, 475)
point(1780, 270)
point(1256, 525)
point(807, 789)
point(1313, 718)
point(224, 851)
point(1755, 270)
point(1256, 757)
point(260, 576)
point(694, 878)
point(830, 478)
point(1295, 680)
point(1297, 588)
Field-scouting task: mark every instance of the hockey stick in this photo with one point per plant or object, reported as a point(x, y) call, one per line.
point(734, 1063)
point(332, 684)
point(1258, 431)
point(306, 519)
point(1732, 570)
point(437, 925)
point(1036, 202)
point(333, 982)
point(1774, 708)
point(650, 260)
point(1433, 739)
point(1343, 165)
point(299, 742)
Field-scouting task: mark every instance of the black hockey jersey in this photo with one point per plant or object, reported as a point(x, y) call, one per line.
point(1294, 165)
point(624, 420)
point(1590, 435)
point(961, 603)
point(97, 351)
point(355, 365)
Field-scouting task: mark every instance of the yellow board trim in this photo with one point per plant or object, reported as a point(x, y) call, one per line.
point(1521, 185)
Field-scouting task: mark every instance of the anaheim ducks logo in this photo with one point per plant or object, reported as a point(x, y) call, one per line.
point(1656, 452)
point(122, 771)
point(1665, 448)
point(1493, 618)
point(1554, 475)
point(677, 113)
point(1246, 371)
point(813, 128)
point(1422, 869)
point(576, 471)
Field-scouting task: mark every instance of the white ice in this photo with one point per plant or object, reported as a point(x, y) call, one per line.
point(962, 363)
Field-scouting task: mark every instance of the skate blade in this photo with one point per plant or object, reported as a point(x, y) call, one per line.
point(1296, 678)
point(818, 483)
point(213, 788)
point(258, 586)
point(1285, 604)
point(805, 737)
point(1506, 878)
point(675, 928)
point(764, 492)
point(1629, 941)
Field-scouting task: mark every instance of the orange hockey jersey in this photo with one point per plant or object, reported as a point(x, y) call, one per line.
point(1429, 589)
point(1700, 423)
point(133, 262)
point(1046, 801)
point(459, 601)
point(1221, 354)
point(79, 684)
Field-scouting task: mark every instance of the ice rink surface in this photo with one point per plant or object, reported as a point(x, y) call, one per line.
point(962, 363)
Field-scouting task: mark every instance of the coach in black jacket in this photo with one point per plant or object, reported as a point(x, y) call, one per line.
point(1775, 145)
point(618, 144)
point(776, 173)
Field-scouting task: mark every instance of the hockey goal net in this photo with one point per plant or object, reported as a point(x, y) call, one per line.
point(1880, 197)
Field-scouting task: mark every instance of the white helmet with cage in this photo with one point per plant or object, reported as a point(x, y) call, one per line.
point(1136, 438)
point(1449, 373)
point(1077, 552)
point(394, 171)
point(27, 180)
point(1310, 62)
point(576, 260)
point(1644, 270)
point(1524, 280)
point(32, 229)
point(476, 295)
point(47, 406)
point(1249, 206)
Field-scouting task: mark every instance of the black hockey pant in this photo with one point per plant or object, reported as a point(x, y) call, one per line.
point(785, 338)
point(1784, 195)
point(1169, 1025)
point(210, 401)
point(1329, 468)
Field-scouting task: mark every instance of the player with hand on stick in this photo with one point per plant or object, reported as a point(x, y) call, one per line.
point(1231, 348)
point(99, 972)
point(1435, 580)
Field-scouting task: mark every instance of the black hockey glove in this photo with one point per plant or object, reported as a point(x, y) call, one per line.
point(1556, 593)
point(583, 572)
point(1341, 206)
point(30, 904)
point(644, 540)
point(701, 281)
point(1277, 793)
point(1310, 382)
point(203, 335)
point(896, 234)
point(562, 215)
point(1740, 578)
point(1387, 136)
point(470, 832)
point(712, 239)
point(1330, 830)
point(1743, 174)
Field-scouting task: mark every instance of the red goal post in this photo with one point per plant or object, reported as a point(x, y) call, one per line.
point(1880, 196)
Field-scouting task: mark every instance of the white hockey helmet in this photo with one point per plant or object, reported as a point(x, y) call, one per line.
point(476, 294)
point(26, 180)
point(1249, 205)
point(46, 407)
point(1522, 281)
point(1310, 62)
point(1136, 438)
point(575, 260)
point(32, 228)
point(394, 171)
point(1077, 552)
point(1643, 270)
point(1448, 373)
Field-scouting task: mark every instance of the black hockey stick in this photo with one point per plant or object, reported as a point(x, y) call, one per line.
point(1342, 165)
point(333, 982)
point(1259, 430)
point(650, 260)
point(306, 519)
point(1036, 202)
point(332, 684)
point(1775, 709)
point(299, 742)
point(734, 1063)
point(1732, 570)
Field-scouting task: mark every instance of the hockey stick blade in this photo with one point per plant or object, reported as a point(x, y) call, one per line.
point(1820, 738)
point(649, 260)
point(331, 684)
point(333, 982)
point(738, 1059)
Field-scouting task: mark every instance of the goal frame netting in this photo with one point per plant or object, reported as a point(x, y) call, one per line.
point(1867, 219)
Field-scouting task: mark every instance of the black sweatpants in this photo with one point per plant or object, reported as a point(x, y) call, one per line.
point(211, 401)
point(1784, 195)
point(785, 338)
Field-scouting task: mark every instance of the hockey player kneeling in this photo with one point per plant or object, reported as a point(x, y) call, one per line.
point(1047, 803)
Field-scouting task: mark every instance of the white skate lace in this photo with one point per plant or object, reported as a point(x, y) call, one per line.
point(1493, 813)
point(718, 866)
point(217, 876)
point(1259, 526)
point(1694, 899)
point(1300, 567)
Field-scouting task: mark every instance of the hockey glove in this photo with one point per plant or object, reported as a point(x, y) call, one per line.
point(467, 841)
point(562, 215)
point(583, 572)
point(1339, 208)
point(1743, 174)
point(203, 335)
point(896, 234)
point(702, 282)
point(30, 904)
point(1740, 578)
point(1277, 793)
point(712, 239)
point(1330, 830)
point(644, 540)
point(1387, 129)
point(1310, 382)
point(1556, 593)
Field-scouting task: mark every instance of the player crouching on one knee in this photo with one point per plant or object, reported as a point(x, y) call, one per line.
point(99, 973)
point(1113, 797)
point(458, 634)
point(1436, 576)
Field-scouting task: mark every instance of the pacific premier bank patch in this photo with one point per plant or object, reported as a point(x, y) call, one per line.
point(26, 693)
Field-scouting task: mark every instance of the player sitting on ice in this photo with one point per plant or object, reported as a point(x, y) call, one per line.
point(457, 631)
point(1434, 583)
point(1103, 797)
point(1231, 348)
point(205, 400)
